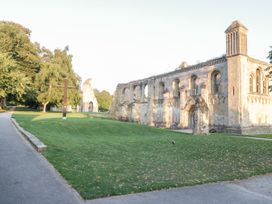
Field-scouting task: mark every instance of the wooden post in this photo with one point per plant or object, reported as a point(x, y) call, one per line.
point(65, 98)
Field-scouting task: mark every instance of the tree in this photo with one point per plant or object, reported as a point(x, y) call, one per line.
point(15, 42)
point(16, 47)
point(12, 81)
point(104, 100)
point(270, 55)
point(269, 68)
point(55, 67)
point(31, 74)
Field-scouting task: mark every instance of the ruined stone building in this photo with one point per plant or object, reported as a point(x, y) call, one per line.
point(89, 102)
point(226, 94)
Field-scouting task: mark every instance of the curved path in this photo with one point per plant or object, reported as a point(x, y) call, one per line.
point(26, 177)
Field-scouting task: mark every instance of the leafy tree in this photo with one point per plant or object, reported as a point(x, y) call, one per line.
point(55, 67)
point(104, 100)
point(31, 74)
point(12, 81)
point(269, 68)
point(15, 42)
point(16, 47)
point(270, 55)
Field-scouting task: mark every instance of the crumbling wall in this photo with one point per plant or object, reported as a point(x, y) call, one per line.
point(167, 100)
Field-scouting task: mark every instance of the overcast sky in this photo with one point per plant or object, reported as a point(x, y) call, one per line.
point(117, 41)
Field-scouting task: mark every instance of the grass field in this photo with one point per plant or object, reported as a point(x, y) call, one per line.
point(264, 136)
point(101, 157)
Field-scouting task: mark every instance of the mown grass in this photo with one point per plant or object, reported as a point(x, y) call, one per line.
point(101, 157)
point(263, 136)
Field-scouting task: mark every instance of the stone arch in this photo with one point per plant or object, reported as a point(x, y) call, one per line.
point(186, 115)
point(124, 91)
point(136, 90)
point(160, 107)
point(251, 83)
point(91, 107)
point(146, 91)
point(175, 88)
point(266, 85)
point(258, 80)
point(215, 82)
point(191, 117)
point(195, 114)
point(193, 84)
point(161, 90)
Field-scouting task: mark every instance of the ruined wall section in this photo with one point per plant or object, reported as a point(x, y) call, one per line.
point(166, 100)
point(256, 104)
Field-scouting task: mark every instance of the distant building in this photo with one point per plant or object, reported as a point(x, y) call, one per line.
point(89, 102)
point(226, 94)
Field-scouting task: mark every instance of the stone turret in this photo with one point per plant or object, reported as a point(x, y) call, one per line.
point(236, 39)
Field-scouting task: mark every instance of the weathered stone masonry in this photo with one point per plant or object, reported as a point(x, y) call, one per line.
point(227, 94)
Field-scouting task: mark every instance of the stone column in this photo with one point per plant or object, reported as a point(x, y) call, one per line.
point(200, 126)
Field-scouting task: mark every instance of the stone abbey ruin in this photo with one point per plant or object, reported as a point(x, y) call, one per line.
point(226, 94)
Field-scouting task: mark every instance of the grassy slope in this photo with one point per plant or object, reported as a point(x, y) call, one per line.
point(101, 157)
point(264, 136)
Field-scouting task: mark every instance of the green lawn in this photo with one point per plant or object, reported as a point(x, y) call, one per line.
point(101, 157)
point(264, 136)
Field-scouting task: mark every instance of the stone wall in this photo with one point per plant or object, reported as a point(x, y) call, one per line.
point(169, 100)
point(227, 94)
point(89, 102)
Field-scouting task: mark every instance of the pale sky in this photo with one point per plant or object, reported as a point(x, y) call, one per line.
point(117, 41)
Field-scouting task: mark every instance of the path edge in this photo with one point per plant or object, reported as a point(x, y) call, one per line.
point(34, 141)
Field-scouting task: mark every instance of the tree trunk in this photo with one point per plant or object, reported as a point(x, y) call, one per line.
point(44, 107)
point(2, 102)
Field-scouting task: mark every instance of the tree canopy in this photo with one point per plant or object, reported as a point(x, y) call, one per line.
point(270, 55)
point(269, 69)
point(31, 74)
point(104, 100)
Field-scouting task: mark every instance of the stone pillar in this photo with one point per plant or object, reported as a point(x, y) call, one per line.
point(201, 124)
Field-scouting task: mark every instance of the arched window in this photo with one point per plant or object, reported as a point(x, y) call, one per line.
point(215, 82)
point(258, 81)
point(91, 106)
point(161, 90)
point(124, 91)
point(251, 83)
point(146, 90)
point(193, 81)
point(265, 86)
point(193, 85)
point(134, 91)
point(175, 86)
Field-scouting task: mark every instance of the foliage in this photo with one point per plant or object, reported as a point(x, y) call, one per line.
point(15, 42)
point(55, 67)
point(104, 100)
point(270, 55)
point(12, 81)
point(16, 49)
point(269, 69)
point(31, 74)
point(101, 157)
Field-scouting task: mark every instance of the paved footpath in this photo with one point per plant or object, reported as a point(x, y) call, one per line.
point(257, 190)
point(26, 177)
